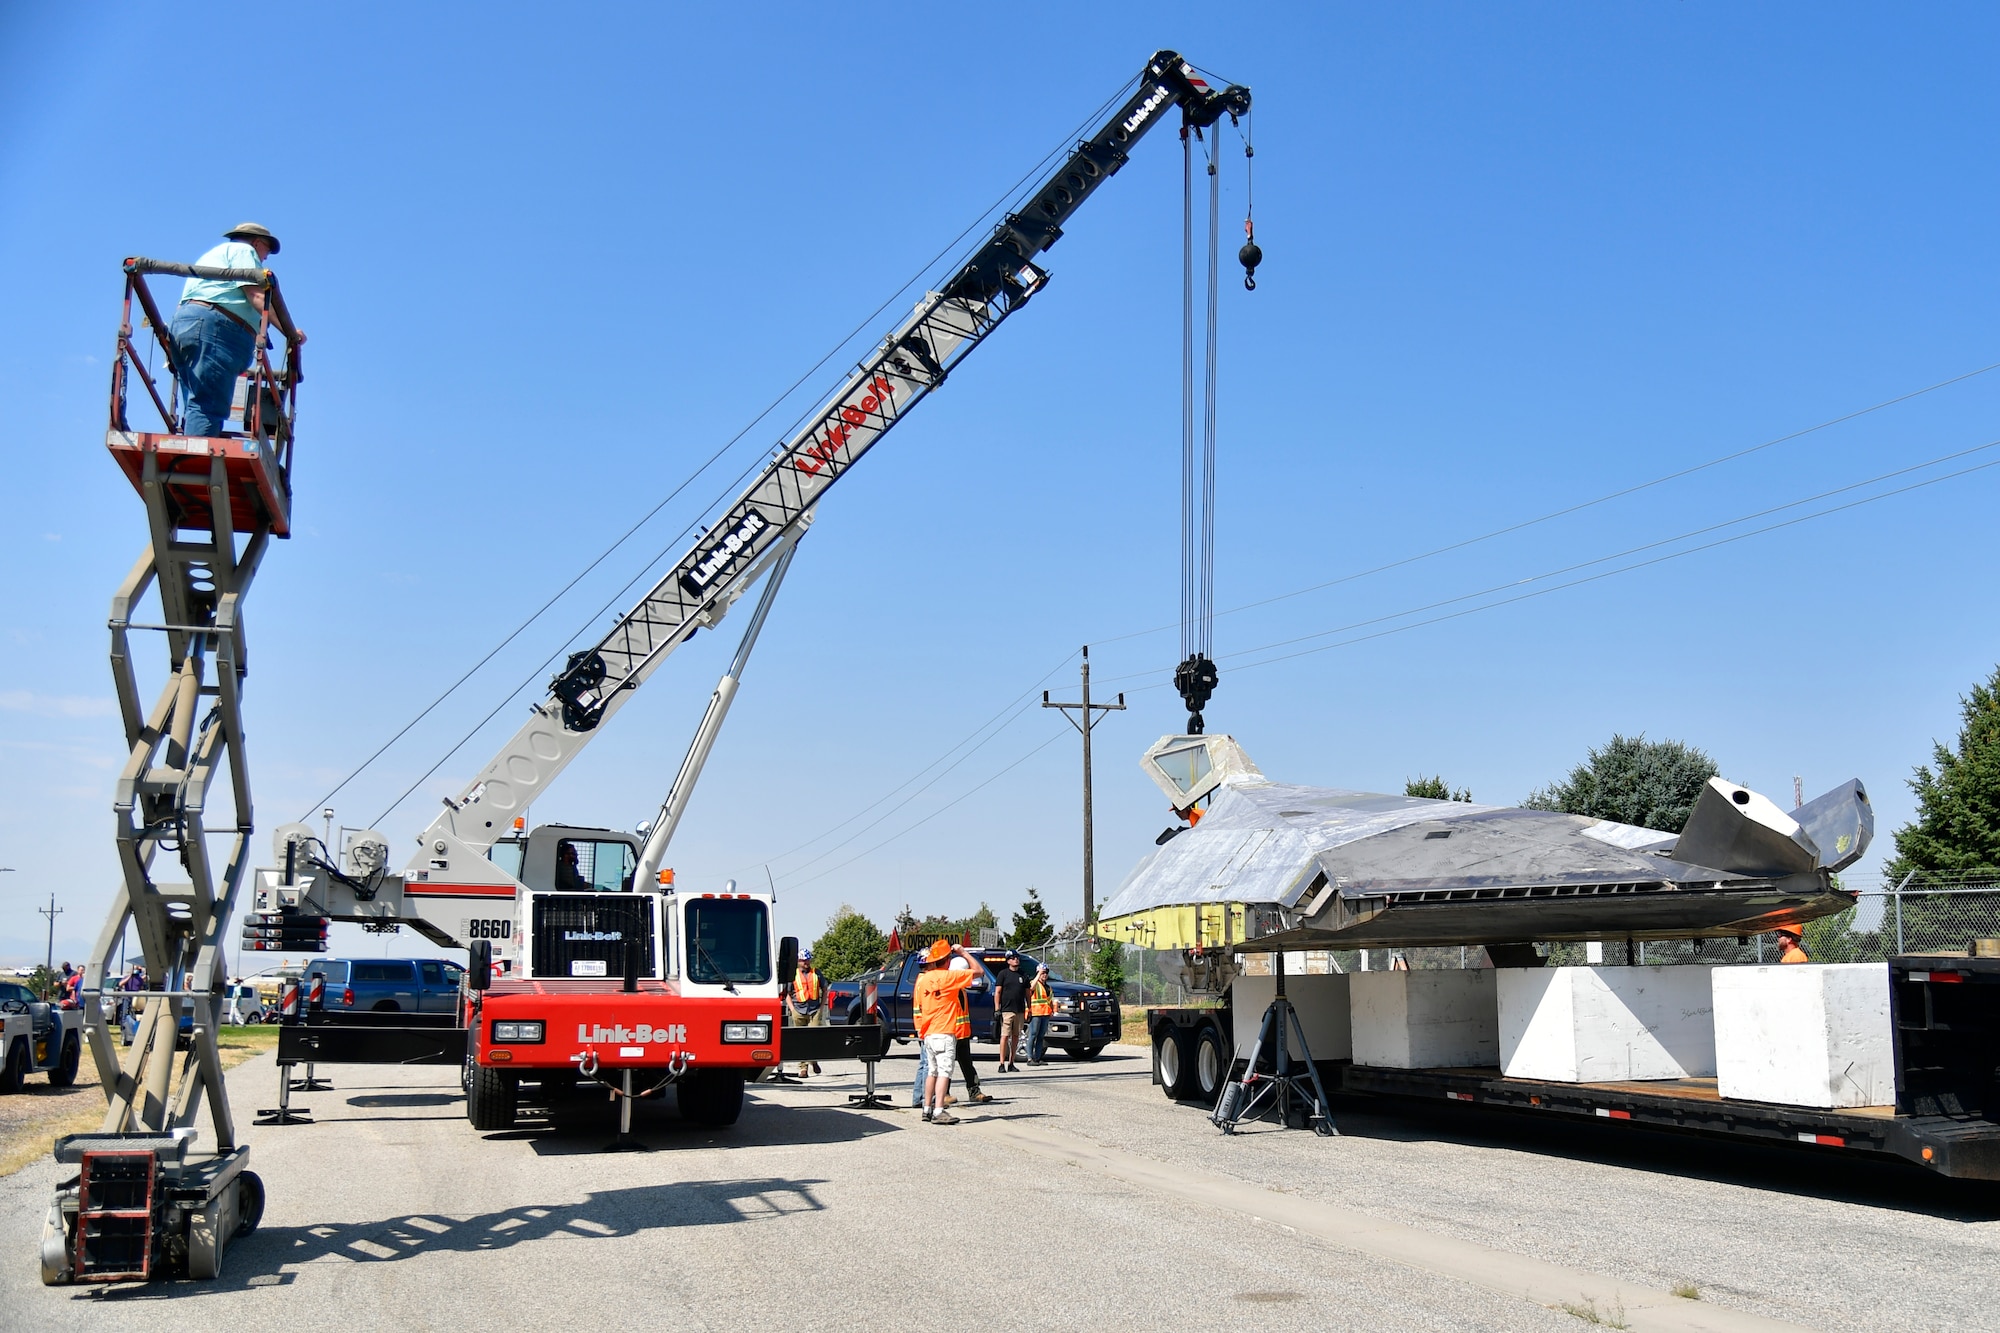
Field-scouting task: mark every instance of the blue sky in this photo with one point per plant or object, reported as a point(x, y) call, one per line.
point(1517, 259)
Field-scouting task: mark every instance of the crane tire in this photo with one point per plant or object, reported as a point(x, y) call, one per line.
point(1208, 1065)
point(1170, 1062)
point(491, 1099)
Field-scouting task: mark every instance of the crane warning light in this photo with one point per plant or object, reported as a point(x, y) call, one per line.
point(667, 878)
point(520, 823)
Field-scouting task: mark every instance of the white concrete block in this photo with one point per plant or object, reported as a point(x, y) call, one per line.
point(1606, 1024)
point(1424, 1020)
point(1319, 999)
point(1805, 1034)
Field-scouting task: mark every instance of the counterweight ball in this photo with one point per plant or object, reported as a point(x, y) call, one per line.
point(1250, 256)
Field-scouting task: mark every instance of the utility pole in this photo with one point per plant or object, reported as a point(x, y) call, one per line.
point(1088, 715)
point(51, 912)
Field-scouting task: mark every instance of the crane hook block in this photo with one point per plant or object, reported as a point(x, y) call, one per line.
point(1250, 256)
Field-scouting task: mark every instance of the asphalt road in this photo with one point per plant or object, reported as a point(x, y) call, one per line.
point(1080, 1199)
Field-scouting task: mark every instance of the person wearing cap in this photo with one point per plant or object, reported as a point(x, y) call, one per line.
point(940, 1014)
point(967, 1071)
point(1041, 1007)
point(1791, 944)
point(804, 1004)
point(216, 326)
point(1010, 1001)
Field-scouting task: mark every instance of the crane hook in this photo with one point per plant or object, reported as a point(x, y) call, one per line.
point(1250, 256)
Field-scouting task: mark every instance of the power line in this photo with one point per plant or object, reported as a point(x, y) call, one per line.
point(1540, 592)
point(1632, 550)
point(1026, 178)
point(1594, 578)
point(1582, 505)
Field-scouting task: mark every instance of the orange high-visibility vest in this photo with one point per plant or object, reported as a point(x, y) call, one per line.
point(805, 987)
point(1041, 1003)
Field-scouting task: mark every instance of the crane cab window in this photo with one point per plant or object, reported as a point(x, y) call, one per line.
point(728, 941)
point(507, 854)
point(586, 866)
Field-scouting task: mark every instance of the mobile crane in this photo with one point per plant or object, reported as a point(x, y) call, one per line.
point(587, 962)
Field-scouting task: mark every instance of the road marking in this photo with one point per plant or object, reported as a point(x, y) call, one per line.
point(1646, 1310)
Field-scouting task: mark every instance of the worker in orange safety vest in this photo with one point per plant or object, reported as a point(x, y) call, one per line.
point(805, 1004)
point(1791, 944)
point(1041, 1007)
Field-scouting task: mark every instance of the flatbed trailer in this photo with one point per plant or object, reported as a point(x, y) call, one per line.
point(1945, 1016)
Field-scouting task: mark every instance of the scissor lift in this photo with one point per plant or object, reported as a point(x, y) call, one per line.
point(212, 507)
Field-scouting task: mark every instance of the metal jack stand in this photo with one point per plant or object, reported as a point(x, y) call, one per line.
point(311, 1082)
point(868, 1099)
point(284, 1113)
point(1285, 1084)
point(625, 1142)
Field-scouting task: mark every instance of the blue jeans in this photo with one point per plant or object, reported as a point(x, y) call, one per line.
point(923, 1072)
point(1038, 1039)
point(213, 349)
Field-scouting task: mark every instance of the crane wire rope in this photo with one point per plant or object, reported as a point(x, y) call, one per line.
point(1012, 192)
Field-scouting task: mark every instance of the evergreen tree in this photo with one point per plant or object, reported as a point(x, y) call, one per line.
point(850, 946)
point(1957, 828)
point(1434, 789)
point(1031, 923)
point(1632, 780)
point(1107, 966)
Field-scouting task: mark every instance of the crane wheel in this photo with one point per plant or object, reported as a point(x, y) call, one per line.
point(64, 1074)
point(713, 1098)
point(1170, 1063)
point(1210, 1065)
point(491, 1098)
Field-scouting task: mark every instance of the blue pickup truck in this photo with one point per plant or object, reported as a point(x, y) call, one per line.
point(1086, 1019)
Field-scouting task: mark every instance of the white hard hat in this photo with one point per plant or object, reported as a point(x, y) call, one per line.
point(960, 963)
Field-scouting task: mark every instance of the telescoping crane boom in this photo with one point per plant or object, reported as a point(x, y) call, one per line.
point(588, 962)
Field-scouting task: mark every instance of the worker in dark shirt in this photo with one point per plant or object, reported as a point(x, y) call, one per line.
point(1010, 1001)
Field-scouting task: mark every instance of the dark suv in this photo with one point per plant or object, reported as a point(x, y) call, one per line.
point(387, 985)
point(1086, 1019)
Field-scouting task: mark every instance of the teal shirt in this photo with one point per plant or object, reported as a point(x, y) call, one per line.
point(228, 295)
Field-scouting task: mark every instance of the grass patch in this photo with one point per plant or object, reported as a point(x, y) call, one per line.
point(1687, 1291)
point(1588, 1312)
point(32, 1119)
point(1132, 1031)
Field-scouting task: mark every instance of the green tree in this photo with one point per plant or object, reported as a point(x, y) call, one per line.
point(1632, 780)
point(1031, 923)
point(1957, 828)
point(851, 945)
point(1107, 966)
point(1434, 789)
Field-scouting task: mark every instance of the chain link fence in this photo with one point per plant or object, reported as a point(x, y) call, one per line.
point(1914, 917)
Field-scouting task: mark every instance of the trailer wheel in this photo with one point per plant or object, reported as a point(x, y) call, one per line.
point(64, 1073)
point(1211, 1064)
point(1171, 1061)
point(713, 1097)
point(14, 1072)
point(491, 1099)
